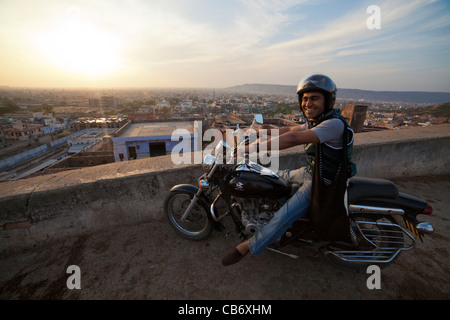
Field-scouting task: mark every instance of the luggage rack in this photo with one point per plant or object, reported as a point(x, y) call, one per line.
point(386, 243)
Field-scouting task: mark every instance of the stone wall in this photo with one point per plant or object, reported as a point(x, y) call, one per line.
point(47, 208)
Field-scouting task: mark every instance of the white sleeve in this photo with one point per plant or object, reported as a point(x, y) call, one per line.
point(330, 132)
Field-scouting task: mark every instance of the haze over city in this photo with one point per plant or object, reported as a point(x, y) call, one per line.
point(199, 43)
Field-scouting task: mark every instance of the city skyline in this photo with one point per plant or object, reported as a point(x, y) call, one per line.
point(219, 44)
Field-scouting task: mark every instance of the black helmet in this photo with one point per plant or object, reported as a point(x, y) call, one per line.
point(320, 83)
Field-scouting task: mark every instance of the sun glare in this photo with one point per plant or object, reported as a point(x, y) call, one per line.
point(80, 47)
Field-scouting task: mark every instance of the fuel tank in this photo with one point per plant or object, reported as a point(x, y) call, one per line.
point(246, 184)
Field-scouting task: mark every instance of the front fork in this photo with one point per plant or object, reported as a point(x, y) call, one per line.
point(191, 205)
point(203, 183)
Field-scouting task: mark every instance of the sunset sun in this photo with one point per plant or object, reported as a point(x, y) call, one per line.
point(80, 47)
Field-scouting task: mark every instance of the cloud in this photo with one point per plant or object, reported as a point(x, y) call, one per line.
point(219, 43)
point(348, 35)
point(161, 38)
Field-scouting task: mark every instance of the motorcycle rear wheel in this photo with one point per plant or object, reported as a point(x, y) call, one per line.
point(197, 225)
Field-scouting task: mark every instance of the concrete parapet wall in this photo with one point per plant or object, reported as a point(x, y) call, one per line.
point(51, 207)
point(387, 155)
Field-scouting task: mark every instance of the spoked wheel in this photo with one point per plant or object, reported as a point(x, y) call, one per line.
point(196, 226)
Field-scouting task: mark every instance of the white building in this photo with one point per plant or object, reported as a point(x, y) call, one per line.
point(86, 140)
point(150, 139)
point(186, 105)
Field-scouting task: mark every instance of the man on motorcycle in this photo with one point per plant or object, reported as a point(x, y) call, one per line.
point(325, 125)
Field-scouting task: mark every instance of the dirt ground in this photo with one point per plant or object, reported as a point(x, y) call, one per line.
point(150, 261)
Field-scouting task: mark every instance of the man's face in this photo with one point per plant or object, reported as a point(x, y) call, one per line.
point(313, 105)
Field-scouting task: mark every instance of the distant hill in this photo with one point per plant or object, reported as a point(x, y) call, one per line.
point(351, 94)
point(438, 111)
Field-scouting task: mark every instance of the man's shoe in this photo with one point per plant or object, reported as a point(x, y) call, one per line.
point(233, 256)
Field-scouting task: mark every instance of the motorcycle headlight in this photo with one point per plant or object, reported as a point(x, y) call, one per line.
point(209, 161)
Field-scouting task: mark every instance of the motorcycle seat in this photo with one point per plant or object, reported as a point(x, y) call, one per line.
point(361, 188)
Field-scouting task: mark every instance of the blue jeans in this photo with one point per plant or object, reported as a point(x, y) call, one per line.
point(295, 208)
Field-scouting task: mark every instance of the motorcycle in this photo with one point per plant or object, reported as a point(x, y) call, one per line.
point(383, 221)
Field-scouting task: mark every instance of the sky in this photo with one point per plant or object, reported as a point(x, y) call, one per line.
point(401, 45)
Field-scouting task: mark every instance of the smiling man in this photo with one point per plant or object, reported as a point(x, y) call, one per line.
point(324, 129)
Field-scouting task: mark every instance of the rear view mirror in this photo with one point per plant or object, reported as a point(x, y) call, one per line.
point(259, 118)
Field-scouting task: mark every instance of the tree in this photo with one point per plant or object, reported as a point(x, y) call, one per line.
point(7, 106)
point(164, 112)
point(47, 109)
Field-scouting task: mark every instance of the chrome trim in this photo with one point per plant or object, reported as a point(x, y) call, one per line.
point(352, 257)
point(425, 228)
point(209, 161)
point(385, 246)
point(191, 205)
point(211, 172)
point(369, 209)
point(251, 166)
point(213, 211)
point(290, 255)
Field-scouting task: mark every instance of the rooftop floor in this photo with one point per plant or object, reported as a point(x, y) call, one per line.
point(156, 129)
point(149, 261)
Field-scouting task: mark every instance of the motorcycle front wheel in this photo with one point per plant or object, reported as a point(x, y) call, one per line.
point(197, 225)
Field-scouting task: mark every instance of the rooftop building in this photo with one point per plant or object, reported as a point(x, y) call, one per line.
point(88, 139)
point(24, 131)
point(148, 139)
